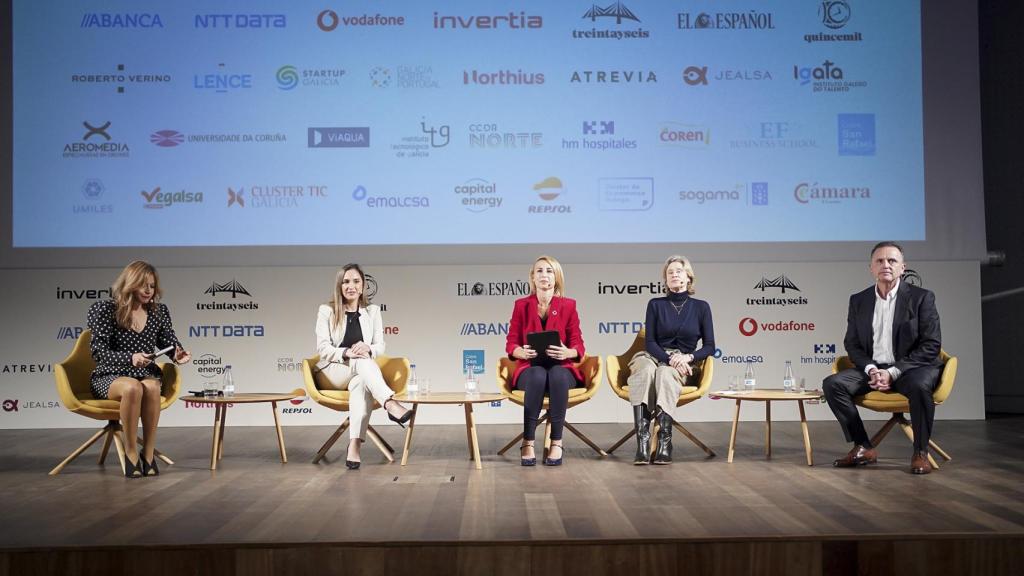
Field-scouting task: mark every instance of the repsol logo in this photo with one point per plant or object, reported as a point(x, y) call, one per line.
point(619, 327)
point(291, 410)
point(226, 331)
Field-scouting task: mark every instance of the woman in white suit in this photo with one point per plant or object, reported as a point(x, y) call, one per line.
point(349, 335)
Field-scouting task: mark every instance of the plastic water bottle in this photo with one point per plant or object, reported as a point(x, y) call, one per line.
point(412, 388)
point(228, 383)
point(749, 382)
point(787, 379)
point(471, 385)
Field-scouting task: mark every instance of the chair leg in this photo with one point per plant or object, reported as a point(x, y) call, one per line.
point(547, 436)
point(383, 442)
point(380, 444)
point(905, 425)
point(941, 452)
point(106, 448)
point(330, 441)
point(622, 441)
point(519, 437)
point(586, 440)
point(119, 444)
point(884, 430)
point(693, 438)
point(78, 451)
point(158, 453)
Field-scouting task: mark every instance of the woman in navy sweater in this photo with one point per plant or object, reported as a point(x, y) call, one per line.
point(675, 324)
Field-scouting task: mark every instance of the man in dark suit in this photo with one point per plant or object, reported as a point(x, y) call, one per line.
point(893, 340)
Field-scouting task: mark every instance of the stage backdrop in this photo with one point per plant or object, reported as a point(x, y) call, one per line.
point(261, 320)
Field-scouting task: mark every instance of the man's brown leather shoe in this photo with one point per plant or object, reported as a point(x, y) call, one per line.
point(858, 456)
point(919, 463)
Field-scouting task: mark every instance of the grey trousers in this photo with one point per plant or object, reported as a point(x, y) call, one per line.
point(653, 383)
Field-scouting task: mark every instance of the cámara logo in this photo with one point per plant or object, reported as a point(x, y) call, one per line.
point(805, 193)
point(234, 288)
point(616, 14)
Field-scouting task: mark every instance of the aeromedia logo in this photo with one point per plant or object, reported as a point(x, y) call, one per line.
point(749, 326)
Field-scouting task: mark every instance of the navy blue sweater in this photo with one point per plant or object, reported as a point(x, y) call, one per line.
point(668, 329)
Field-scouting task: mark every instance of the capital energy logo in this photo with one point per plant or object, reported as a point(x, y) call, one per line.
point(548, 190)
point(92, 190)
point(743, 21)
point(680, 135)
point(209, 366)
point(157, 199)
point(96, 143)
point(338, 137)
point(598, 135)
point(781, 283)
point(827, 78)
point(749, 326)
point(512, 21)
point(121, 20)
point(805, 193)
point(235, 289)
point(240, 21)
point(856, 134)
point(834, 15)
point(328, 20)
point(119, 78)
point(222, 80)
point(478, 195)
point(612, 22)
point(491, 136)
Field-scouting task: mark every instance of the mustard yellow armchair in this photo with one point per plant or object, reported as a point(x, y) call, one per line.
point(73, 377)
point(618, 375)
point(396, 374)
point(897, 404)
point(590, 367)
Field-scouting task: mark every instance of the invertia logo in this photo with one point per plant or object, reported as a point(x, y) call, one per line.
point(512, 21)
point(652, 288)
point(749, 326)
point(84, 294)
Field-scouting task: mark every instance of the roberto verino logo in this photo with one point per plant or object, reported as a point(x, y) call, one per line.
point(287, 77)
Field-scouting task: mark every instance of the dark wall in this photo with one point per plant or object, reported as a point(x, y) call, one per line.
point(1002, 117)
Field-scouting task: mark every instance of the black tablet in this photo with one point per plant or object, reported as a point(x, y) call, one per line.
point(540, 341)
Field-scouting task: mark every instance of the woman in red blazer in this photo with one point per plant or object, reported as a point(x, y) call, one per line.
point(545, 309)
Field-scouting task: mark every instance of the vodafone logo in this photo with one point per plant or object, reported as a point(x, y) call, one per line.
point(749, 326)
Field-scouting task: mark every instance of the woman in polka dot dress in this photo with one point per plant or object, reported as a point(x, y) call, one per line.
point(126, 330)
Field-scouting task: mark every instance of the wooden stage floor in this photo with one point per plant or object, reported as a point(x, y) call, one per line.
point(700, 511)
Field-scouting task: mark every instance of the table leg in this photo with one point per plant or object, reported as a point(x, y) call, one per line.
point(408, 434)
point(468, 408)
point(732, 436)
point(474, 453)
point(768, 429)
point(223, 424)
point(216, 436)
point(807, 435)
point(280, 434)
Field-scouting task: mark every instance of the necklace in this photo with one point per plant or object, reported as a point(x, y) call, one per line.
point(679, 308)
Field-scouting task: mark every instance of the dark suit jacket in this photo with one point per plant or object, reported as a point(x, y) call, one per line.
point(916, 338)
point(562, 317)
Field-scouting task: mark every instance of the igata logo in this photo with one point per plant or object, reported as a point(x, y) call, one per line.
point(749, 326)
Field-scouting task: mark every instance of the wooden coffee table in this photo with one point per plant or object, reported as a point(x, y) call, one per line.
point(467, 402)
point(768, 396)
point(221, 404)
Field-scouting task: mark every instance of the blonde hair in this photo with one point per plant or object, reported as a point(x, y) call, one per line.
point(128, 282)
point(687, 267)
point(559, 275)
point(338, 300)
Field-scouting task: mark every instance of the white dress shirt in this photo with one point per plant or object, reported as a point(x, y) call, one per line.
point(881, 329)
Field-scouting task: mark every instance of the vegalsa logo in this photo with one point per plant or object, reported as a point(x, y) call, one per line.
point(234, 288)
point(749, 326)
point(156, 199)
point(805, 193)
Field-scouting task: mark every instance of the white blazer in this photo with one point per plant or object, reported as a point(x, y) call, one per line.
point(328, 342)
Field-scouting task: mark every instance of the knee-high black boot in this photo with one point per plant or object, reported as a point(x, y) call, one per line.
point(642, 419)
point(664, 452)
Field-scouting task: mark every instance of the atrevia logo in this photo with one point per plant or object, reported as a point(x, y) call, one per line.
point(750, 20)
point(749, 326)
point(625, 193)
point(478, 195)
point(611, 14)
point(856, 134)
point(548, 190)
point(626, 327)
point(782, 283)
point(511, 288)
point(613, 77)
point(240, 21)
point(679, 135)
point(155, 199)
point(510, 21)
point(823, 354)
point(338, 137)
point(226, 331)
point(805, 193)
point(222, 81)
point(360, 194)
point(484, 329)
point(130, 20)
point(235, 289)
point(737, 358)
point(473, 360)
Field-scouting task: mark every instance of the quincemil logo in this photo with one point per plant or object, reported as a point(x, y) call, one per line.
point(602, 18)
point(484, 329)
point(174, 138)
point(126, 20)
point(749, 326)
point(625, 193)
point(822, 354)
point(598, 135)
point(678, 135)
point(406, 77)
point(856, 134)
point(157, 199)
point(548, 190)
point(274, 196)
point(222, 80)
point(328, 20)
point(119, 78)
point(744, 21)
point(478, 195)
point(826, 78)
point(613, 77)
point(738, 358)
point(96, 143)
point(776, 135)
point(289, 77)
point(493, 137)
point(625, 327)
point(240, 21)
point(92, 191)
point(517, 21)
point(421, 143)
point(338, 137)
point(507, 288)
point(234, 288)
point(361, 195)
point(781, 283)
point(502, 78)
point(805, 193)
point(209, 366)
point(835, 15)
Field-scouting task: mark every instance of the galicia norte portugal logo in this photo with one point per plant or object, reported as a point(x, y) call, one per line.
point(749, 326)
point(782, 284)
point(616, 14)
point(805, 193)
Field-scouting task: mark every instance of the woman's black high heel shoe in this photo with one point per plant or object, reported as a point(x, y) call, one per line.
point(400, 421)
point(526, 461)
point(554, 461)
point(149, 468)
point(352, 464)
point(133, 470)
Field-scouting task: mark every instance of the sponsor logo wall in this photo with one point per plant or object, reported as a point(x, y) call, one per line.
point(261, 323)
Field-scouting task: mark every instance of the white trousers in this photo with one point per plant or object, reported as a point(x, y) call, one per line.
point(365, 384)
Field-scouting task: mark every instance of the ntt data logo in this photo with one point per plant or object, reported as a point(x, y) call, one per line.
point(240, 21)
point(749, 326)
point(329, 137)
